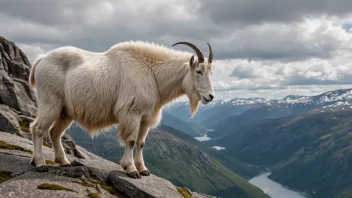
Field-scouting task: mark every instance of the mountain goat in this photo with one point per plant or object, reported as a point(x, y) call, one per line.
point(125, 85)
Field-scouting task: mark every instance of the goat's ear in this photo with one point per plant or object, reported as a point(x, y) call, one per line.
point(191, 61)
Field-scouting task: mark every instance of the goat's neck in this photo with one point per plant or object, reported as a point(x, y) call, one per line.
point(169, 78)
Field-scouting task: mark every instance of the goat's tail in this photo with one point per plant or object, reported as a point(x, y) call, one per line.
point(31, 74)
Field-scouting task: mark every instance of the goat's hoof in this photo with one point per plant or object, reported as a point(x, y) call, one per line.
point(66, 165)
point(134, 174)
point(43, 168)
point(145, 173)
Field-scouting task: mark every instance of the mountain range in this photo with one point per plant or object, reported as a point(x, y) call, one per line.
point(226, 117)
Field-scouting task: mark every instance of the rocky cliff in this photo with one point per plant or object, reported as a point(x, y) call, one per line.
point(91, 176)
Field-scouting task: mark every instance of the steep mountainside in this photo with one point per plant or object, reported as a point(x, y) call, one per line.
point(177, 160)
point(310, 152)
point(186, 127)
point(235, 165)
point(232, 124)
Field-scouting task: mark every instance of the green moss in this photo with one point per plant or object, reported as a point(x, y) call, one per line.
point(87, 184)
point(4, 145)
point(47, 144)
point(109, 188)
point(4, 176)
point(2, 39)
point(93, 184)
point(104, 186)
point(93, 195)
point(46, 186)
point(24, 126)
point(52, 163)
point(184, 192)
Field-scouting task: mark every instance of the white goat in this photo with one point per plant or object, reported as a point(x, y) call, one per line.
point(126, 85)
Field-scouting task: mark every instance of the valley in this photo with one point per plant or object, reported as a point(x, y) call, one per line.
point(303, 140)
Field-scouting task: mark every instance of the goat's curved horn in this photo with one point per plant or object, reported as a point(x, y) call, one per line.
point(211, 55)
point(199, 53)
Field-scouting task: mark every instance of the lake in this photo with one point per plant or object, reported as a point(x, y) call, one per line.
point(218, 148)
point(272, 188)
point(202, 138)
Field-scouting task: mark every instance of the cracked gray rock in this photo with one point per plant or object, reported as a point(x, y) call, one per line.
point(148, 186)
point(9, 120)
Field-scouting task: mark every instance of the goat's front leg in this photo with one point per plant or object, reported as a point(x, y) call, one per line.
point(138, 160)
point(128, 132)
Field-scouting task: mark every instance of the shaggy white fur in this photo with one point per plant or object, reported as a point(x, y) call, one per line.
point(126, 85)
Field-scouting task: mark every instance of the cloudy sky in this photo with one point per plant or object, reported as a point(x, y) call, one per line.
point(262, 48)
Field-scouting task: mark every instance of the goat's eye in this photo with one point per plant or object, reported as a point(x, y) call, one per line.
point(199, 72)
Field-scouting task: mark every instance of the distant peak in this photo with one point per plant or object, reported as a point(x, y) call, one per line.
point(292, 97)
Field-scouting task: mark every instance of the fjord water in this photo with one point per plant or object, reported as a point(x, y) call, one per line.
point(272, 188)
point(203, 138)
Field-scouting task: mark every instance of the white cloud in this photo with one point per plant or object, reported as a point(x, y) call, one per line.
point(303, 47)
point(32, 51)
point(279, 93)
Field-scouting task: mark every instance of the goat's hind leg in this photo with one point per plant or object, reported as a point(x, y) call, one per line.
point(46, 115)
point(55, 132)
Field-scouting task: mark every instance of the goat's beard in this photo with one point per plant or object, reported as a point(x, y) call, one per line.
point(193, 101)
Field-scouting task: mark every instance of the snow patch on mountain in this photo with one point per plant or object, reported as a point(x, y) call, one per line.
point(332, 99)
